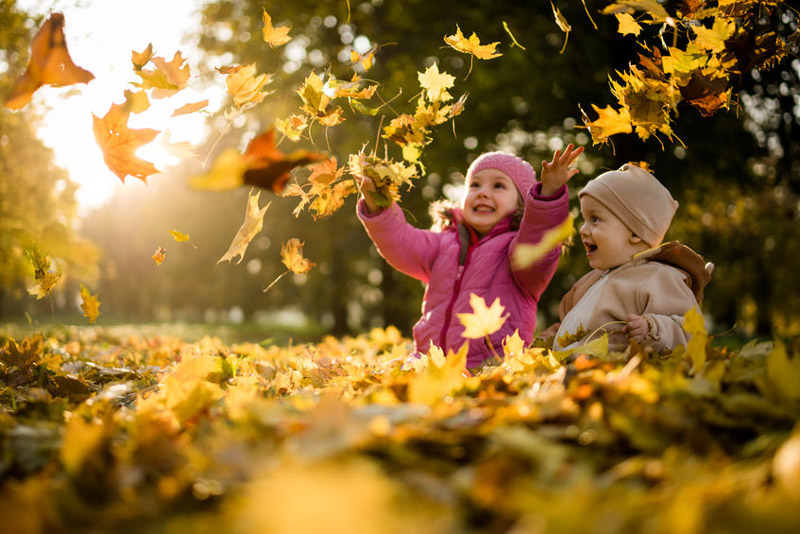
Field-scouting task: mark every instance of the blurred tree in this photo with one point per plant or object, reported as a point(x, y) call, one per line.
point(37, 205)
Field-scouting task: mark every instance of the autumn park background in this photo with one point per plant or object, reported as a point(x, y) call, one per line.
point(195, 398)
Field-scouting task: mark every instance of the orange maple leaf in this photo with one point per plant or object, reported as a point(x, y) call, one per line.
point(50, 64)
point(268, 167)
point(292, 257)
point(274, 36)
point(159, 254)
point(119, 144)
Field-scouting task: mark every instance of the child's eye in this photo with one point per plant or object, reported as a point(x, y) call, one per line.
point(500, 185)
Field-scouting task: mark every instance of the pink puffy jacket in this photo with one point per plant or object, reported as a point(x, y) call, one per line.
point(452, 268)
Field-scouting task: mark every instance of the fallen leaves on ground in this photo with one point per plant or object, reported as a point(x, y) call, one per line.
point(104, 429)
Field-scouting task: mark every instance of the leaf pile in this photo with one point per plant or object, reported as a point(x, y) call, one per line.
point(129, 434)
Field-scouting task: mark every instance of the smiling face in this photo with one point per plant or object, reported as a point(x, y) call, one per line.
point(608, 242)
point(491, 196)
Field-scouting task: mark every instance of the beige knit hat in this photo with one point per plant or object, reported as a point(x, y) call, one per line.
point(637, 198)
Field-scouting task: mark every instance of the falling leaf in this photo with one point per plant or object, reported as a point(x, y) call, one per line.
point(175, 71)
point(483, 321)
point(136, 101)
point(190, 108)
point(514, 41)
point(292, 126)
point(179, 237)
point(609, 122)
point(436, 83)
point(292, 257)
point(316, 103)
point(89, 304)
point(140, 59)
point(268, 167)
point(563, 25)
point(158, 255)
point(627, 24)
point(46, 279)
point(472, 46)
point(365, 60)
point(262, 165)
point(272, 35)
point(120, 143)
point(50, 64)
point(245, 86)
point(525, 255)
point(253, 222)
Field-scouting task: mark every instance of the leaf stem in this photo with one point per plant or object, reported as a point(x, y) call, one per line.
point(287, 271)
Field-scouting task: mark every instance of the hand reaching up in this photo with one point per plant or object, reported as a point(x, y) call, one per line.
point(366, 186)
point(557, 172)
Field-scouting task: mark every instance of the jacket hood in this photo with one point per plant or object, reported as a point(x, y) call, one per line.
point(687, 260)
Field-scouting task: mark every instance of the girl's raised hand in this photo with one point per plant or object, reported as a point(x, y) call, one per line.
point(366, 186)
point(557, 172)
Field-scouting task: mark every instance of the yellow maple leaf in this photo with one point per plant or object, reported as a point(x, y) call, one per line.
point(483, 321)
point(526, 255)
point(627, 24)
point(176, 72)
point(292, 126)
point(292, 257)
point(274, 36)
point(472, 46)
point(609, 122)
point(136, 101)
point(253, 223)
point(140, 59)
point(436, 83)
point(244, 85)
point(437, 375)
point(89, 304)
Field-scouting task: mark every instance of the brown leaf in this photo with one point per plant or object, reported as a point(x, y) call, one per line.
point(268, 167)
point(50, 64)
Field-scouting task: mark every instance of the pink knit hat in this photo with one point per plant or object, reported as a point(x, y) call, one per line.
point(636, 198)
point(519, 170)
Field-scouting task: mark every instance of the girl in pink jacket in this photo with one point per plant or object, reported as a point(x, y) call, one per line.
point(503, 206)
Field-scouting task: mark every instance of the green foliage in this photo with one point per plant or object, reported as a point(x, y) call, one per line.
point(131, 433)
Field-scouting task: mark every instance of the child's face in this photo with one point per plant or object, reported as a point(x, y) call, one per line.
point(608, 242)
point(491, 196)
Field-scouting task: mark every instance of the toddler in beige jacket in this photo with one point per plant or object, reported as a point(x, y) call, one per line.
point(639, 288)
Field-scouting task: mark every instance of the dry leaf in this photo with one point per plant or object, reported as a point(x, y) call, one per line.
point(50, 64)
point(292, 257)
point(120, 143)
point(253, 223)
point(158, 255)
point(272, 35)
point(483, 321)
point(89, 304)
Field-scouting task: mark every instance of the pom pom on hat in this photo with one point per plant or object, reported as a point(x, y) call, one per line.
point(637, 198)
point(520, 171)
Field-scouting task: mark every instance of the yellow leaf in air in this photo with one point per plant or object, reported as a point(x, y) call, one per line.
point(158, 255)
point(436, 83)
point(695, 325)
point(140, 59)
point(563, 25)
point(136, 102)
point(609, 122)
point(627, 24)
point(292, 126)
point(179, 237)
point(483, 321)
point(472, 45)
point(274, 36)
point(176, 72)
point(89, 304)
point(46, 279)
point(190, 108)
point(245, 86)
point(292, 257)
point(253, 223)
point(526, 255)
point(227, 172)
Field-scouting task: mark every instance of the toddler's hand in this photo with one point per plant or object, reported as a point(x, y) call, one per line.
point(638, 327)
point(557, 172)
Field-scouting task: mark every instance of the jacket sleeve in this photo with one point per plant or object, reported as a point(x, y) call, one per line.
point(541, 215)
point(409, 250)
point(665, 298)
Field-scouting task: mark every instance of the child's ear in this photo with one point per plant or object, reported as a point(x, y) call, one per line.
point(634, 239)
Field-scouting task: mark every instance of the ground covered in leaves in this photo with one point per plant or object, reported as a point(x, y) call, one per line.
point(107, 433)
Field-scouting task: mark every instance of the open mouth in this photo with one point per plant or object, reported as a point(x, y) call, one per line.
point(589, 247)
point(482, 209)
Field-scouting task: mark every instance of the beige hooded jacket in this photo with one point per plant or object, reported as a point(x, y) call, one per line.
point(661, 284)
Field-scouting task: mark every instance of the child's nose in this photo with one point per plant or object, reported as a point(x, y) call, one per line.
point(582, 230)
